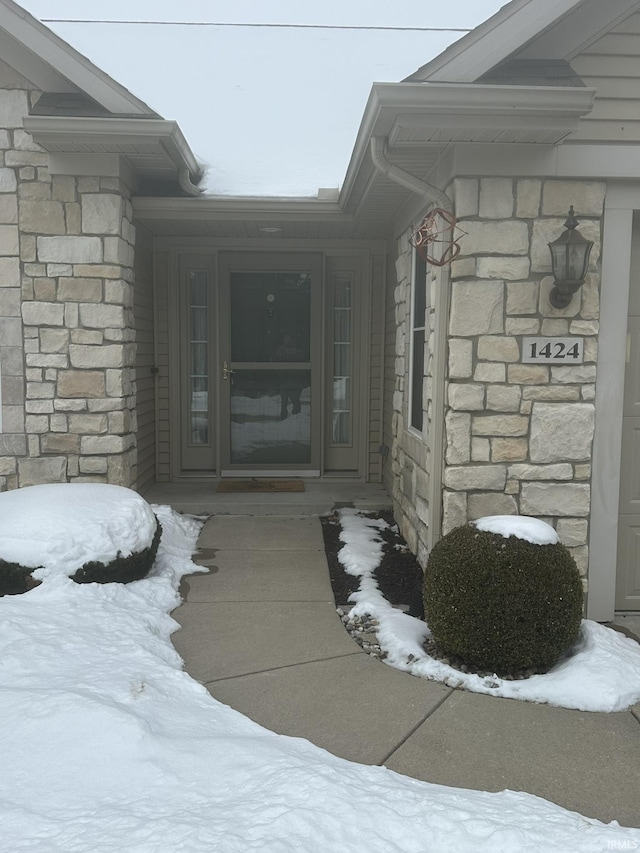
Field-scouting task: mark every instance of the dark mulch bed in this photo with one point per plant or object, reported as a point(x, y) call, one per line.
point(399, 576)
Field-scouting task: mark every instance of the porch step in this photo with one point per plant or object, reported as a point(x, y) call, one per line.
point(319, 498)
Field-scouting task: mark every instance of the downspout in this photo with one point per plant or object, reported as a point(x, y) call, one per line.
point(432, 195)
point(184, 180)
point(436, 197)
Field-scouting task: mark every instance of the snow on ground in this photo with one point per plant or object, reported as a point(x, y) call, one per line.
point(601, 673)
point(108, 746)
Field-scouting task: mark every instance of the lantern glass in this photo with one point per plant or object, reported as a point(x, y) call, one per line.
point(570, 254)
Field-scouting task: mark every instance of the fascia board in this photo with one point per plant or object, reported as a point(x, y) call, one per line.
point(68, 62)
point(579, 29)
point(55, 129)
point(493, 41)
point(455, 99)
point(377, 120)
point(484, 106)
point(259, 208)
point(42, 75)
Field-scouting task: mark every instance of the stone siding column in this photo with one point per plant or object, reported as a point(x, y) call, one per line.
point(67, 338)
point(17, 163)
point(519, 436)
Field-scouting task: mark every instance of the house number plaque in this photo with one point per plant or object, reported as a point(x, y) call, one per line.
point(553, 350)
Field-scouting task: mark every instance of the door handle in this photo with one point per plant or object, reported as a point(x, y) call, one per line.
point(227, 373)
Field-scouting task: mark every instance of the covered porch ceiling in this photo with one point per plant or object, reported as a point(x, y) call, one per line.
point(273, 219)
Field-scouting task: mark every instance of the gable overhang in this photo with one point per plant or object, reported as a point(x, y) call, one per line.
point(54, 66)
point(421, 121)
point(155, 149)
point(557, 28)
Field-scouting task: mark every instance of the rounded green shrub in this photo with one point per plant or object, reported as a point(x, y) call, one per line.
point(16, 579)
point(502, 604)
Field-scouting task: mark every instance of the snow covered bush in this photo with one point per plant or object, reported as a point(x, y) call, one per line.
point(503, 595)
point(90, 532)
point(124, 568)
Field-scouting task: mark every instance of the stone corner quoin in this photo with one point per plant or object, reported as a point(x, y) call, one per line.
point(67, 339)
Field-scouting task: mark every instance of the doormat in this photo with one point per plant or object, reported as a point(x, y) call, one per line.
point(260, 486)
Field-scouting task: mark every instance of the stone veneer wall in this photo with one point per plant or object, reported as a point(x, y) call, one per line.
point(518, 436)
point(408, 468)
point(66, 321)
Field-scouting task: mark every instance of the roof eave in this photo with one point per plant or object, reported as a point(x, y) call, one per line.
point(475, 107)
point(60, 133)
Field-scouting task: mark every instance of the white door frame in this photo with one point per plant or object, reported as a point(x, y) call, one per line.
point(621, 201)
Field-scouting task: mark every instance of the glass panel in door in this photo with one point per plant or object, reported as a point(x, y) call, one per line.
point(271, 417)
point(270, 369)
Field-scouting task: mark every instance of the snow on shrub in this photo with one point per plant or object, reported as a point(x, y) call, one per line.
point(91, 532)
point(503, 595)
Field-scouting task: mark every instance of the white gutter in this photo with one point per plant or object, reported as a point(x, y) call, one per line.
point(63, 133)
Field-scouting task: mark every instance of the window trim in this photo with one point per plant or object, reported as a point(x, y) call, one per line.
point(418, 265)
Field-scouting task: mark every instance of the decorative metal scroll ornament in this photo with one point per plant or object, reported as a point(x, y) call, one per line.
point(438, 229)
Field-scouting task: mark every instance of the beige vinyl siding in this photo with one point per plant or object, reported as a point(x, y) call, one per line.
point(374, 473)
point(163, 459)
point(389, 368)
point(611, 65)
point(145, 378)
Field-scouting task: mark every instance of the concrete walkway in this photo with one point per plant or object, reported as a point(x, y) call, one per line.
point(260, 631)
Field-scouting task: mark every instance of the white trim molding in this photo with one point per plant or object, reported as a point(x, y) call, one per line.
point(519, 24)
point(52, 64)
point(620, 203)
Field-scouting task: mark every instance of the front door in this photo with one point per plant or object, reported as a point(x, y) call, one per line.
point(270, 363)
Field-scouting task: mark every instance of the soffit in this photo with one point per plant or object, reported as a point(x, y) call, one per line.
point(155, 148)
point(272, 220)
point(421, 121)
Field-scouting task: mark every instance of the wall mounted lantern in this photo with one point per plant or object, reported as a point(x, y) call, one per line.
point(569, 262)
